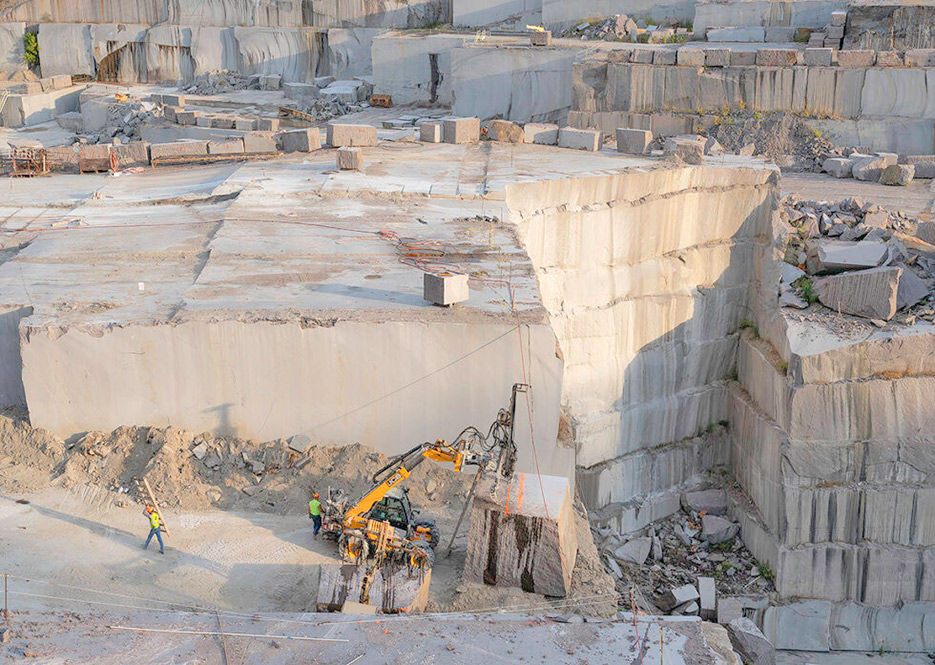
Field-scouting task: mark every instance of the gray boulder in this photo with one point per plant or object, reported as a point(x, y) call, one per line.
point(839, 167)
point(897, 174)
point(869, 168)
point(751, 643)
point(713, 502)
point(634, 551)
point(911, 289)
point(717, 530)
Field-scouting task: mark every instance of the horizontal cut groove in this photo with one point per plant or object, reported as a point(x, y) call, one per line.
point(650, 198)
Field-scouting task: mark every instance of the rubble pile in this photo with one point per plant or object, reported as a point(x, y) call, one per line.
point(222, 80)
point(782, 137)
point(859, 259)
point(623, 28)
point(326, 109)
point(680, 565)
point(125, 121)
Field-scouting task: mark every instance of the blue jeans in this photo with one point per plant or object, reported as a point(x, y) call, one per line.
point(316, 521)
point(162, 548)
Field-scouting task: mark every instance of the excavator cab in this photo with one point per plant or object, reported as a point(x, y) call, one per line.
point(394, 508)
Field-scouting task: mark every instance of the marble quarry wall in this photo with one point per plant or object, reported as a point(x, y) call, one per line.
point(646, 276)
point(880, 107)
point(266, 380)
point(243, 13)
point(415, 68)
point(176, 54)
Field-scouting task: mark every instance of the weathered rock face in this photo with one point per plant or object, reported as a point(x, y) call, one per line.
point(887, 27)
point(646, 287)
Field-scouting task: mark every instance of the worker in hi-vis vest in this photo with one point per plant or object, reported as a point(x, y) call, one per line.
point(155, 527)
point(314, 514)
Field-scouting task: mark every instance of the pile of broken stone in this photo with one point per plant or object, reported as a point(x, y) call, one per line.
point(681, 564)
point(859, 259)
point(623, 28)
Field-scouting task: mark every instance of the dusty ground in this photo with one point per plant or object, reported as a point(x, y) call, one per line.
point(240, 539)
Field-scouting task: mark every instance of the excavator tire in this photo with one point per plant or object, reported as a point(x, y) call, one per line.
point(353, 549)
point(426, 556)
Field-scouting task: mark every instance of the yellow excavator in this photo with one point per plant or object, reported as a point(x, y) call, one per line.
point(382, 523)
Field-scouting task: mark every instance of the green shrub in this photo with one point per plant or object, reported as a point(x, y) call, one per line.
point(31, 49)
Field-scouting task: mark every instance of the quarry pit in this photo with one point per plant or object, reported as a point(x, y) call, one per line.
point(710, 256)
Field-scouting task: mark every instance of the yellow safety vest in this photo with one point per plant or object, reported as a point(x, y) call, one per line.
point(154, 520)
point(314, 507)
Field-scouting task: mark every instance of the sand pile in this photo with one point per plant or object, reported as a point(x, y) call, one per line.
point(195, 472)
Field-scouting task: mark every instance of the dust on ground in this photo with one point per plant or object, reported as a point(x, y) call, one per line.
point(237, 512)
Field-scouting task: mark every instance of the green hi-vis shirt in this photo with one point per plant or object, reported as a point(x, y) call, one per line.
point(314, 507)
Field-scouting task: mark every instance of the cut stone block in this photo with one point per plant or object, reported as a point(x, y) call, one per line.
point(460, 130)
point(178, 149)
point(633, 141)
point(350, 159)
point(868, 293)
point(869, 168)
point(713, 502)
point(133, 154)
point(204, 121)
point(351, 136)
point(732, 607)
point(742, 58)
point(173, 100)
point(634, 551)
point(540, 38)
point(72, 121)
point(95, 157)
point(838, 18)
point(270, 82)
point(890, 59)
point(642, 56)
point(839, 167)
point(430, 132)
point(61, 82)
point(691, 57)
point(445, 288)
point(897, 174)
point(780, 34)
point(543, 134)
point(849, 58)
point(831, 256)
point(664, 57)
point(245, 124)
point(226, 147)
point(394, 589)
point(170, 113)
point(717, 57)
point(707, 593)
point(677, 596)
point(689, 150)
point(259, 143)
point(579, 139)
point(751, 643)
point(517, 539)
point(186, 117)
point(301, 140)
point(223, 122)
point(505, 131)
point(717, 530)
point(267, 124)
point(801, 626)
point(776, 57)
point(818, 57)
point(740, 34)
point(299, 91)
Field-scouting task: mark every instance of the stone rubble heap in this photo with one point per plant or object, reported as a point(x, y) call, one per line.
point(682, 563)
point(222, 80)
point(859, 259)
point(623, 28)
